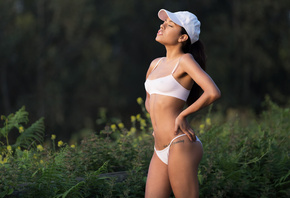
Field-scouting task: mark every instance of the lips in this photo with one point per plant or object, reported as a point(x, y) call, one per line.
point(159, 32)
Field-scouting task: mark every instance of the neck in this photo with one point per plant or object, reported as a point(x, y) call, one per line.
point(173, 53)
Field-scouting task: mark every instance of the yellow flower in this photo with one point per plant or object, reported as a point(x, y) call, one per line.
point(9, 148)
point(133, 130)
point(147, 115)
point(140, 138)
point(53, 137)
point(41, 161)
point(72, 146)
point(113, 127)
point(138, 117)
point(60, 143)
point(139, 100)
point(21, 129)
point(18, 148)
point(39, 148)
point(34, 156)
point(5, 160)
point(143, 122)
point(121, 125)
point(201, 127)
point(208, 121)
point(133, 118)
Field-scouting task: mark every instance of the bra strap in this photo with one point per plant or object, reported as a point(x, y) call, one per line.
point(157, 64)
point(176, 66)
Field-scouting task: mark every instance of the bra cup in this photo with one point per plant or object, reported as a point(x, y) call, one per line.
point(166, 86)
point(163, 86)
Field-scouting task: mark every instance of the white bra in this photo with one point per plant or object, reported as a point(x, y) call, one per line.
point(166, 85)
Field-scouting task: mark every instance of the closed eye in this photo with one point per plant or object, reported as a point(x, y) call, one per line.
point(170, 23)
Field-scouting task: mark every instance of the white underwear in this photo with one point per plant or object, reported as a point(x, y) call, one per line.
point(164, 153)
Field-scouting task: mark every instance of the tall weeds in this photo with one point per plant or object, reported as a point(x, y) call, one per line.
point(238, 161)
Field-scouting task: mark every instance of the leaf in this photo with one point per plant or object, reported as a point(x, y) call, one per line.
point(14, 120)
point(7, 191)
point(74, 188)
point(32, 134)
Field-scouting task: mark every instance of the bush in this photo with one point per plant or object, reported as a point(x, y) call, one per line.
point(251, 161)
point(238, 161)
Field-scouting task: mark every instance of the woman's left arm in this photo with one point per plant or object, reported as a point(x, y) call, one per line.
point(210, 93)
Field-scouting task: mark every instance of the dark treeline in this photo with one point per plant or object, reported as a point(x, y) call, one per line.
point(65, 59)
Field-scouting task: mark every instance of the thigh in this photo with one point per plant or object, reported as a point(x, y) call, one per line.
point(157, 184)
point(184, 158)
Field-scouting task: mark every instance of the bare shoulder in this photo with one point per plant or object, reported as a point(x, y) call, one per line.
point(187, 61)
point(152, 65)
point(155, 61)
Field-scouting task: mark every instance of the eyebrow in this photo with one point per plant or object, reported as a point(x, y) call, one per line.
point(169, 21)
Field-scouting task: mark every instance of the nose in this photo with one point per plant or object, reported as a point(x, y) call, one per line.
point(162, 25)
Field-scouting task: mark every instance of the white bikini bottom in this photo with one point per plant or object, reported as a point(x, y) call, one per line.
point(164, 153)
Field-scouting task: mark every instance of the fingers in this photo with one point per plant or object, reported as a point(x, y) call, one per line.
point(191, 135)
point(176, 129)
point(194, 137)
point(183, 126)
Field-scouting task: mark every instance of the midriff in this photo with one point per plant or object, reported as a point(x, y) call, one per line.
point(163, 111)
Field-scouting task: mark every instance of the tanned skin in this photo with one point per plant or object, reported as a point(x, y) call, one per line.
point(168, 118)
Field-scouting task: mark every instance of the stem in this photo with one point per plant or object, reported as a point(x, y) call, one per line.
point(7, 141)
point(6, 136)
point(53, 146)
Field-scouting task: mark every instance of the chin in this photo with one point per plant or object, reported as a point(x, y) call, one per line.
point(158, 40)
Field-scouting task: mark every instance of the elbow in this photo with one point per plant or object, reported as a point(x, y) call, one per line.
point(216, 94)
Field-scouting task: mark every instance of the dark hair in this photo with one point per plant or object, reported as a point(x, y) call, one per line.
point(197, 51)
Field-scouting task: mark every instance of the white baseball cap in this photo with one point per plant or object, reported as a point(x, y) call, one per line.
point(184, 19)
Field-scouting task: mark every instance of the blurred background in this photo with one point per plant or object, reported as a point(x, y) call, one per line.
point(72, 61)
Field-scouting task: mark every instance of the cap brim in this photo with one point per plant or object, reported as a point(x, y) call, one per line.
point(163, 14)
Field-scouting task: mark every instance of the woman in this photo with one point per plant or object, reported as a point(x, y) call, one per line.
point(170, 82)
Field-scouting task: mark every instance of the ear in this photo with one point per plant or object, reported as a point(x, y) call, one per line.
point(183, 38)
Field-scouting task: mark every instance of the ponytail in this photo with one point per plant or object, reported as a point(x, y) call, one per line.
point(197, 51)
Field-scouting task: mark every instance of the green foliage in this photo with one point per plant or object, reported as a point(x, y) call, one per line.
point(238, 161)
point(75, 188)
point(13, 121)
point(32, 135)
point(247, 162)
point(28, 136)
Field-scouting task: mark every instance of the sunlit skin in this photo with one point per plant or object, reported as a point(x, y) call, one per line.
point(169, 119)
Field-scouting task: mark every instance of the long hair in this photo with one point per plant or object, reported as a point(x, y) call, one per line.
point(197, 51)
